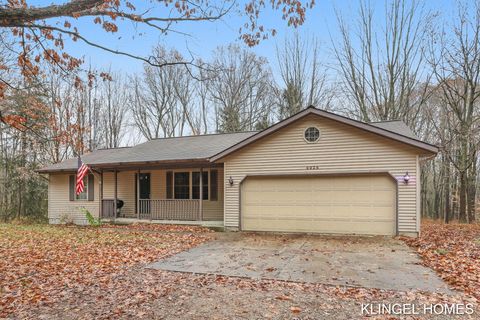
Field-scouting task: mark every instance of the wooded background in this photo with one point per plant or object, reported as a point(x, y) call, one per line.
point(418, 66)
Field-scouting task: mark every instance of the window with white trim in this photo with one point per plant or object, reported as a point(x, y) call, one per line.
point(84, 194)
point(186, 185)
point(196, 185)
point(181, 189)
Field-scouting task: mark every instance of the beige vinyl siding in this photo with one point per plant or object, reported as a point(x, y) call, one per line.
point(213, 210)
point(61, 209)
point(341, 149)
point(158, 184)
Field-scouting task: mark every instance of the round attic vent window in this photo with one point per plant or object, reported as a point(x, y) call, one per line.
point(312, 134)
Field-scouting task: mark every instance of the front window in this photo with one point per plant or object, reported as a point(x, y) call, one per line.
point(84, 194)
point(186, 185)
point(312, 134)
point(196, 185)
point(182, 185)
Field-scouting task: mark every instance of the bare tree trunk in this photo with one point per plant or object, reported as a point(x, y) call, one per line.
point(455, 61)
point(436, 195)
point(240, 89)
point(462, 194)
point(446, 195)
point(471, 191)
point(383, 69)
point(303, 78)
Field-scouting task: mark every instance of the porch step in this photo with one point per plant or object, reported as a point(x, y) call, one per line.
point(208, 224)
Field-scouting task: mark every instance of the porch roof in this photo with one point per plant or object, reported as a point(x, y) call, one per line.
point(187, 148)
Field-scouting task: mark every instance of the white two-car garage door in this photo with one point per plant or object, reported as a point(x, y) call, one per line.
point(359, 204)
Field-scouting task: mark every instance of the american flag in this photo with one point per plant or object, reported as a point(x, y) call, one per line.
point(81, 172)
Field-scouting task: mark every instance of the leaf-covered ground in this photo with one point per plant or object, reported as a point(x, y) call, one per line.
point(41, 263)
point(53, 272)
point(141, 293)
point(453, 251)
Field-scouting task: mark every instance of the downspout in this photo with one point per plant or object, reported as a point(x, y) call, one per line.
point(418, 187)
point(200, 207)
point(101, 194)
point(115, 198)
point(138, 195)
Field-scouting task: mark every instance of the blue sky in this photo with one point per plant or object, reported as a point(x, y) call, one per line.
point(204, 37)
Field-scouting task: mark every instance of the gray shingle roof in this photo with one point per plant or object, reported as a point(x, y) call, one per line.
point(89, 158)
point(179, 148)
point(396, 126)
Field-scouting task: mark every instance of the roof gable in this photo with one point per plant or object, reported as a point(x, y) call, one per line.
point(382, 129)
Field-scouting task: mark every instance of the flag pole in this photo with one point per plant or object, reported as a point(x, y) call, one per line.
point(99, 177)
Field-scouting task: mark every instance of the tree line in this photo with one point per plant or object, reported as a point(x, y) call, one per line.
point(401, 67)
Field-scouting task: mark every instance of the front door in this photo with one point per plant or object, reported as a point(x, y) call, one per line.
point(144, 185)
point(144, 192)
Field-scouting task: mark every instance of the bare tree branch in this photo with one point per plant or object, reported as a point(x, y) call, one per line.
point(14, 17)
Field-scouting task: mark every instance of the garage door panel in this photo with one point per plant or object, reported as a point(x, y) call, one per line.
point(272, 198)
point(280, 212)
point(314, 198)
point(318, 211)
point(358, 204)
point(362, 196)
point(321, 226)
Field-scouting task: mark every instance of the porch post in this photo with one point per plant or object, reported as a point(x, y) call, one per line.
point(200, 206)
point(138, 194)
point(115, 197)
point(101, 194)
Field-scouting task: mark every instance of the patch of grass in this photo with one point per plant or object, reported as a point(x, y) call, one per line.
point(29, 220)
point(441, 251)
point(217, 229)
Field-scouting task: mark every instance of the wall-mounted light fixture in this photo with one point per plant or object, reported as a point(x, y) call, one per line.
point(230, 181)
point(406, 178)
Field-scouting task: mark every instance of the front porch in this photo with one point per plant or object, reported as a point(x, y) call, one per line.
point(162, 195)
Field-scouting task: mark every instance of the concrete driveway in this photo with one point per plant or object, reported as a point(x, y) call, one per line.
point(373, 262)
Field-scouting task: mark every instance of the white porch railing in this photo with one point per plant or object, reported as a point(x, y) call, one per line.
point(108, 208)
point(169, 209)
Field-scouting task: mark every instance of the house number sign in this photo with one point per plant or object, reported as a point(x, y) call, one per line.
point(313, 167)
